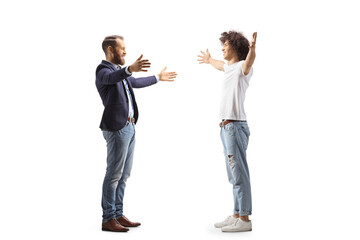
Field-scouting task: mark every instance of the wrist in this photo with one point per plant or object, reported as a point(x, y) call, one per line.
point(129, 69)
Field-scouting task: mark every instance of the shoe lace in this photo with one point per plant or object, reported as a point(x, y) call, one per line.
point(236, 221)
point(227, 219)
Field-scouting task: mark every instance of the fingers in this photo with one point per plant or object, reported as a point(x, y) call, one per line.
point(142, 64)
point(171, 76)
point(204, 58)
point(253, 40)
point(167, 76)
point(143, 68)
point(201, 59)
point(145, 61)
point(254, 36)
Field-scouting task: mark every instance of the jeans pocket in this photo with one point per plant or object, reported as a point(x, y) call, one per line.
point(229, 128)
point(122, 130)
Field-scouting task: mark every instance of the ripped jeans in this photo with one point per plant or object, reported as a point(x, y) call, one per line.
point(235, 138)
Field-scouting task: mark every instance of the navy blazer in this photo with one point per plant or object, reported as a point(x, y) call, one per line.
point(113, 94)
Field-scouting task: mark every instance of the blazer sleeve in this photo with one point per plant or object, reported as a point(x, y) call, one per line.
point(106, 76)
point(142, 82)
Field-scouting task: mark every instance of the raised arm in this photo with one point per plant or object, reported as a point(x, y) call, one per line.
point(206, 58)
point(250, 58)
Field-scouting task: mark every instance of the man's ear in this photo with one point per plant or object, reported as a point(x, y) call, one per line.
point(110, 50)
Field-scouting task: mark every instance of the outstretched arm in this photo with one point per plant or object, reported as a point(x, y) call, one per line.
point(250, 58)
point(141, 66)
point(206, 58)
point(147, 81)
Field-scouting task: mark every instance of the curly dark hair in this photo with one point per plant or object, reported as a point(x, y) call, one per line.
point(237, 41)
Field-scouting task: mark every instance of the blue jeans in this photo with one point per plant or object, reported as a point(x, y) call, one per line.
point(235, 138)
point(120, 152)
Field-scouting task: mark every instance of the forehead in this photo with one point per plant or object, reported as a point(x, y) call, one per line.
point(226, 44)
point(120, 43)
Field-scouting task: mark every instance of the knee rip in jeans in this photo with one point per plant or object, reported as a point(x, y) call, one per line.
point(231, 160)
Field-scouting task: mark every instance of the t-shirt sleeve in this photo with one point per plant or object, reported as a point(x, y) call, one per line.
point(248, 76)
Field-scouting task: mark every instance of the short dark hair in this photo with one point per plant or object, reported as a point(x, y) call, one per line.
point(238, 42)
point(110, 41)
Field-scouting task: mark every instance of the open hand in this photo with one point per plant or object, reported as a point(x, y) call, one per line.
point(205, 58)
point(253, 40)
point(167, 76)
point(140, 65)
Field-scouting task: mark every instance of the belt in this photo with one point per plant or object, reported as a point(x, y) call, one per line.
point(223, 123)
point(131, 119)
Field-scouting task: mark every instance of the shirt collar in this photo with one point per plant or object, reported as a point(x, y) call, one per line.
point(116, 66)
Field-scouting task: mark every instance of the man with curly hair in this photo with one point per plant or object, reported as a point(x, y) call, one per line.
point(240, 56)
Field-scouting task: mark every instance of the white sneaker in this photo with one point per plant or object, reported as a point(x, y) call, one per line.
point(238, 226)
point(228, 221)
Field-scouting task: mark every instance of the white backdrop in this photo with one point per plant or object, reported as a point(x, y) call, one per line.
point(302, 107)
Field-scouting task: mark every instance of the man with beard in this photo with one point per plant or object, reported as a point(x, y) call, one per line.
point(240, 56)
point(115, 86)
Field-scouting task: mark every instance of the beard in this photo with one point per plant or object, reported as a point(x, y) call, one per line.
point(118, 59)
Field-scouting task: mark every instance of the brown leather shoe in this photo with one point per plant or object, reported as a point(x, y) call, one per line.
point(127, 223)
point(113, 226)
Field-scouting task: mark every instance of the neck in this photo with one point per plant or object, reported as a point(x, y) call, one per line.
point(109, 58)
point(233, 60)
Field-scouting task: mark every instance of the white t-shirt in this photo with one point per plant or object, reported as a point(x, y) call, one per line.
point(234, 86)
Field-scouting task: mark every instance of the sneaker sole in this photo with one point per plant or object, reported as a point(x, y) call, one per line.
point(237, 230)
point(223, 225)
